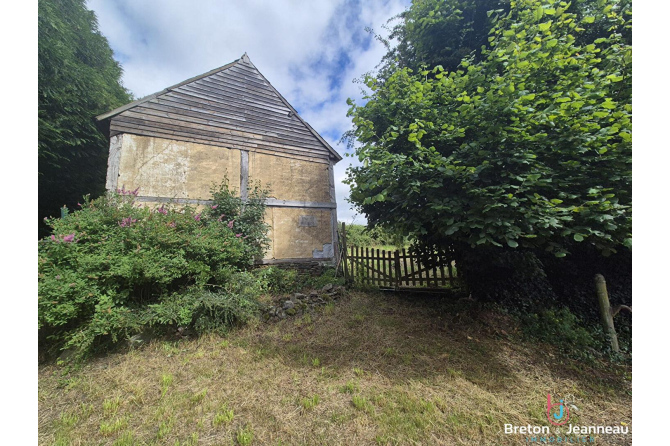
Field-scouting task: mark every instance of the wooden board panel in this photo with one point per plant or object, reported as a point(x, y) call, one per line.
point(235, 108)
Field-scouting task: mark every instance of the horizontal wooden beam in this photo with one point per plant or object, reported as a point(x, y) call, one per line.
point(270, 202)
point(300, 260)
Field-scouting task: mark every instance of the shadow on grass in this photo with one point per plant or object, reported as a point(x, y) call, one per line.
point(397, 336)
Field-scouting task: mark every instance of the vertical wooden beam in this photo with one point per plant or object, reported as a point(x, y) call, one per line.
point(435, 273)
point(344, 253)
point(404, 264)
point(113, 162)
point(443, 258)
point(367, 261)
point(379, 269)
point(386, 269)
point(396, 264)
point(411, 267)
point(606, 311)
point(244, 174)
point(333, 212)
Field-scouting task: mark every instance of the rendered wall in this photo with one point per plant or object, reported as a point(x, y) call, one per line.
point(290, 179)
point(164, 169)
point(174, 169)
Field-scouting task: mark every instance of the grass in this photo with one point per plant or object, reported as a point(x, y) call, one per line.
point(371, 369)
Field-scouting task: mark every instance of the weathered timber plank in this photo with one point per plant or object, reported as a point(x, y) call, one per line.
point(213, 131)
point(152, 129)
point(121, 127)
point(246, 130)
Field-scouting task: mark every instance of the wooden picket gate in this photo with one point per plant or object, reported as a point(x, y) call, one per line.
point(397, 269)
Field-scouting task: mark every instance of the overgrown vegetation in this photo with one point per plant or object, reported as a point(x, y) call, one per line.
point(526, 147)
point(115, 267)
point(360, 235)
point(392, 369)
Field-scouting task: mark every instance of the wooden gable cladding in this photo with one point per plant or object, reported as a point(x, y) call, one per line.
point(233, 107)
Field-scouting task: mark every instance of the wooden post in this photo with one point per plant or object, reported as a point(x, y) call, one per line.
point(397, 269)
point(344, 254)
point(606, 311)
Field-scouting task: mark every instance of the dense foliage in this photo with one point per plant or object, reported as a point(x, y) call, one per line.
point(360, 235)
point(78, 79)
point(527, 145)
point(440, 32)
point(115, 266)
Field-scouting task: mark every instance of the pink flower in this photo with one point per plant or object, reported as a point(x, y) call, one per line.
point(53, 237)
point(78, 204)
point(172, 224)
point(238, 235)
point(162, 210)
point(197, 217)
point(127, 222)
point(215, 206)
point(230, 224)
point(221, 217)
point(69, 238)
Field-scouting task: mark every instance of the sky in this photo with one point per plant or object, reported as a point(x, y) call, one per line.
point(310, 51)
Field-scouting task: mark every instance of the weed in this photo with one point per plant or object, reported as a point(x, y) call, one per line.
point(359, 372)
point(110, 407)
point(166, 381)
point(108, 428)
point(68, 419)
point(126, 439)
point(225, 415)
point(287, 337)
point(362, 404)
point(245, 436)
point(164, 428)
point(225, 343)
point(316, 362)
point(198, 397)
point(349, 387)
point(309, 403)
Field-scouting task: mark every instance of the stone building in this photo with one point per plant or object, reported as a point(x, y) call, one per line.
point(174, 144)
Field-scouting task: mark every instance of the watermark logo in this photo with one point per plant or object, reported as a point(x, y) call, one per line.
point(558, 414)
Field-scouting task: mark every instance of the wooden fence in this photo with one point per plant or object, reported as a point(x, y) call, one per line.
point(396, 269)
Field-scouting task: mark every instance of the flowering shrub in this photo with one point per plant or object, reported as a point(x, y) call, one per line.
point(107, 263)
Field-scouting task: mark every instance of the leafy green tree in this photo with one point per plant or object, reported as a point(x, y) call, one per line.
point(440, 32)
point(529, 147)
point(78, 79)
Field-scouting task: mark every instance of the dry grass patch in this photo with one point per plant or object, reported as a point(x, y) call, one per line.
point(372, 369)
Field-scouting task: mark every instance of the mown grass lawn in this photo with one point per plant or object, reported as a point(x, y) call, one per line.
point(369, 369)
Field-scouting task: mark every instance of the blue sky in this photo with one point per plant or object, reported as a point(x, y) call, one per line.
point(311, 51)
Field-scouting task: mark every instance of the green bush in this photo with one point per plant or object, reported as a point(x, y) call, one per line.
point(277, 281)
point(108, 263)
point(567, 332)
point(214, 310)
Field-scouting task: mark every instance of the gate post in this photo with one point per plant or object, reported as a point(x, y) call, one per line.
point(344, 257)
point(396, 279)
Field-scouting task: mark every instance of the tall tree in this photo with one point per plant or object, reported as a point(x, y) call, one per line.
point(527, 145)
point(440, 32)
point(78, 79)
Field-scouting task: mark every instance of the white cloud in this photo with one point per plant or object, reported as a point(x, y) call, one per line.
point(309, 50)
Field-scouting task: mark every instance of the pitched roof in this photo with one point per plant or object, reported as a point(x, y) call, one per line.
point(232, 106)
